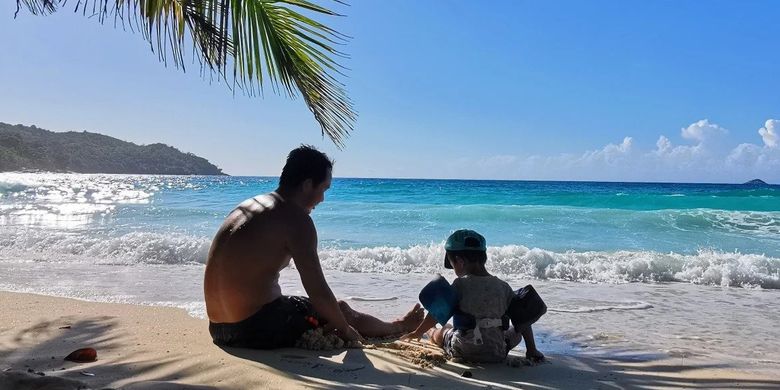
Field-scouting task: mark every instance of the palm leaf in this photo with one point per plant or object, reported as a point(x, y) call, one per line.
point(261, 41)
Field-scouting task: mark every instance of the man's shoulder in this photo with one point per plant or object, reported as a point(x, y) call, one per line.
point(267, 209)
point(291, 220)
point(262, 202)
point(270, 204)
point(255, 205)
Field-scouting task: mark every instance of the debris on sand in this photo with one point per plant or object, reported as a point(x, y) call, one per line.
point(82, 355)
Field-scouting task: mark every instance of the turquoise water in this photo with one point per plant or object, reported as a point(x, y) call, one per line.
point(595, 232)
point(697, 266)
point(555, 215)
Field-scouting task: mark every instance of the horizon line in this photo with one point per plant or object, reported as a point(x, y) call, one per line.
point(521, 180)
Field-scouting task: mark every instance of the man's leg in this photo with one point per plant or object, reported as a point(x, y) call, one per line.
point(370, 326)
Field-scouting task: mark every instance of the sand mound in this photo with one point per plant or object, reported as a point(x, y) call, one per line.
point(318, 340)
point(422, 355)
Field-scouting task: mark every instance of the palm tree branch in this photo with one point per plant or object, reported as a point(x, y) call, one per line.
point(302, 67)
point(257, 38)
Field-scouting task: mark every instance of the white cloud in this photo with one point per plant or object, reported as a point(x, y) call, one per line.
point(624, 147)
point(663, 144)
point(709, 159)
point(769, 133)
point(754, 157)
point(610, 153)
point(497, 161)
point(702, 130)
point(677, 157)
point(744, 155)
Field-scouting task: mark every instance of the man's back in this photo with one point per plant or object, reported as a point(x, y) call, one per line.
point(258, 239)
point(246, 256)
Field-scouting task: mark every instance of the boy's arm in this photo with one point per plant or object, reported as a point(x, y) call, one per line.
point(427, 323)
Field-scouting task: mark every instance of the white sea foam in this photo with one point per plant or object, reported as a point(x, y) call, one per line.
point(704, 267)
point(594, 309)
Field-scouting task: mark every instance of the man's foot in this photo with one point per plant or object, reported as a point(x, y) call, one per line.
point(534, 356)
point(410, 321)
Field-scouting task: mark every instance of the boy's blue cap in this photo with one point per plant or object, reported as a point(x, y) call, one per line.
point(464, 240)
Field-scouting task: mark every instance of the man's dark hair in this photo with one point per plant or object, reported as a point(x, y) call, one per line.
point(471, 256)
point(305, 162)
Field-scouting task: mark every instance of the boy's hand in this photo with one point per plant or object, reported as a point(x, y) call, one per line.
point(412, 335)
point(535, 356)
point(428, 322)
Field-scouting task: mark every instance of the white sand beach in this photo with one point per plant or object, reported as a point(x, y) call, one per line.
point(143, 347)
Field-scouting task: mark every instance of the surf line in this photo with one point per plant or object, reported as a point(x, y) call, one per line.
point(372, 299)
point(637, 306)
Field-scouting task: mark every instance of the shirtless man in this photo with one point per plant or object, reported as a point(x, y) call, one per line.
point(258, 239)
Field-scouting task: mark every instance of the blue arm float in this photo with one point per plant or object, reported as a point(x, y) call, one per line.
point(440, 299)
point(526, 307)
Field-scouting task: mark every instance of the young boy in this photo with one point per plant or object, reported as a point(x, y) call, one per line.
point(481, 295)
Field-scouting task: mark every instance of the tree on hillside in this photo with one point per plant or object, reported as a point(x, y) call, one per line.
point(247, 43)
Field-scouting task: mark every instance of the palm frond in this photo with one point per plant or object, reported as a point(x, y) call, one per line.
point(262, 41)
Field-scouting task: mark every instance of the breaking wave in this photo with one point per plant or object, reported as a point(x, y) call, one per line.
point(128, 249)
point(704, 267)
point(708, 267)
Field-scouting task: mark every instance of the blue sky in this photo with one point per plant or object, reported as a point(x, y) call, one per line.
point(550, 90)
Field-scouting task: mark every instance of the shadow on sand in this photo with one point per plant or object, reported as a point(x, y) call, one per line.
point(369, 369)
point(41, 347)
point(33, 358)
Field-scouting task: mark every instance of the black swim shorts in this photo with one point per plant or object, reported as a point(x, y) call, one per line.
point(278, 324)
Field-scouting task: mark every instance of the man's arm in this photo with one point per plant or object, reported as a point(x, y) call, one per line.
point(303, 248)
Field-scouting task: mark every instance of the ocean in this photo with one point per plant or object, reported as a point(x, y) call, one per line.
point(696, 266)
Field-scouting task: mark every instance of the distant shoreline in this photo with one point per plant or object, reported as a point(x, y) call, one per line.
point(29, 148)
point(43, 172)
